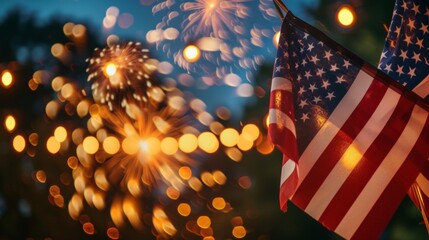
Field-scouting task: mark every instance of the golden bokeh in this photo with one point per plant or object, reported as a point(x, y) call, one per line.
point(173, 193)
point(18, 143)
point(6, 79)
point(88, 228)
point(34, 139)
point(185, 172)
point(52, 145)
point(90, 145)
point(40, 176)
point(229, 137)
point(219, 177)
point(111, 145)
point(10, 123)
point(218, 203)
point(252, 130)
point(204, 222)
point(60, 134)
point(245, 142)
point(239, 232)
point(57, 83)
point(188, 143)
point(112, 233)
point(184, 209)
point(208, 142)
point(130, 145)
point(346, 16)
point(169, 146)
point(57, 50)
point(191, 53)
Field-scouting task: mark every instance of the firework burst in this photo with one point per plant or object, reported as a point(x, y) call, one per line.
point(214, 17)
point(229, 39)
point(121, 74)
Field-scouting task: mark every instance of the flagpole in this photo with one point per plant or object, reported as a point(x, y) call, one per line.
point(279, 7)
point(419, 196)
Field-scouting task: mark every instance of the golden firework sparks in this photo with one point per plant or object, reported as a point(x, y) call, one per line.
point(121, 74)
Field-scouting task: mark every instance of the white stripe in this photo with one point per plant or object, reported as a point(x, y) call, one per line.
point(279, 83)
point(353, 155)
point(287, 170)
point(331, 127)
point(423, 183)
point(282, 120)
point(383, 175)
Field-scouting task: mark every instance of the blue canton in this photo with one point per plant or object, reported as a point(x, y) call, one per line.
point(405, 57)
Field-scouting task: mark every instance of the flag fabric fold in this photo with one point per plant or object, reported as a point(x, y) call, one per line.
point(353, 140)
point(405, 58)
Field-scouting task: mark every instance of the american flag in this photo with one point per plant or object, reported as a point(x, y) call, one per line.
point(405, 58)
point(353, 140)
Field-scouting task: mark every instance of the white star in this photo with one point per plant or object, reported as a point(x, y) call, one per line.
point(340, 79)
point(320, 72)
point(346, 64)
point(400, 70)
point(424, 28)
point(427, 12)
point(310, 47)
point(298, 78)
point(411, 24)
point(303, 62)
point(416, 57)
point(304, 117)
point(408, 40)
point(312, 87)
point(317, 99)
point(279, 68)
point(325, 84)
point(419, 43)
point(383, 54)
point(330, 95)
point(388, 68)
point(334, 67)
point(404, 55)
point(328, 55)
point(314, 59)
point(307, 74)
point(303, 103)
point(415, 9)
point(404, 5)
point(301, 90)
point(397, 30)
point(285, 54)
point(412, 72)
point(305, 35)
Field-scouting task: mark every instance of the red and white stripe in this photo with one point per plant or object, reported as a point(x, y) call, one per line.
point(283, 135)
point(421, 198)
point(359, 166)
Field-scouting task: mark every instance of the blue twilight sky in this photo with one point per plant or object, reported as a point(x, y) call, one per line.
point(92, 12)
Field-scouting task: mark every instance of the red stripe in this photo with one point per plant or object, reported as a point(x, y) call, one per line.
point(282, 137)
point(383, 209)
point(284, 140)
point(339, 144)
point(287, 189)
point(282, 100)
point(363, 171)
